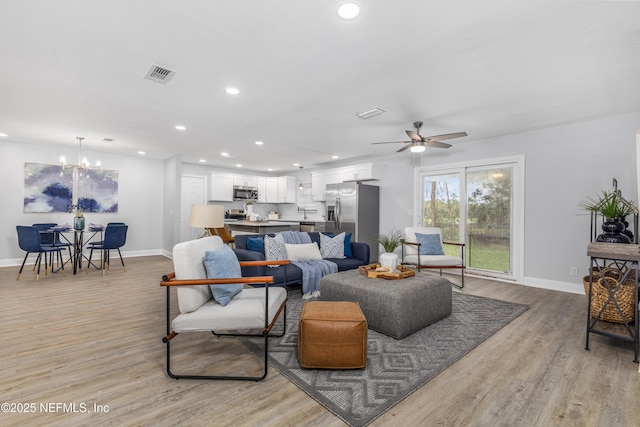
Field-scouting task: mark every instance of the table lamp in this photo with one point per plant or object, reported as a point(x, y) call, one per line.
point(207, 217)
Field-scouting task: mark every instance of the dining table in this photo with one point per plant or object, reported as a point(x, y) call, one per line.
point(78, 239)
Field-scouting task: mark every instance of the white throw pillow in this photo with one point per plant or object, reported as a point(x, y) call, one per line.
point(332, 247)
point(303, 252)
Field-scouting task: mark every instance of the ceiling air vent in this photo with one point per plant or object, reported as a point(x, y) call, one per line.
point(371, 112)
point(159, 74)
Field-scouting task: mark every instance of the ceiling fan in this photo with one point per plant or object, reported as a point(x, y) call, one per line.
point(419, 143)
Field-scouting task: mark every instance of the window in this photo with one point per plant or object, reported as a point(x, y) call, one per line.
point(482, 202)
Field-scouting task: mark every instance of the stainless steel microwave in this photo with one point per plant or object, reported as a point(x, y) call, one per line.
point(241, 192)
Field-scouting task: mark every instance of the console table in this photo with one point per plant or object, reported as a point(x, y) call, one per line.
point(625, 256)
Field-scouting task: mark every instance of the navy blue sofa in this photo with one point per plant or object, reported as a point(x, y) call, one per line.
point(360, 256)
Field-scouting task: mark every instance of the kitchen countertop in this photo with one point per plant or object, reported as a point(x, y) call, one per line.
point(271, 223)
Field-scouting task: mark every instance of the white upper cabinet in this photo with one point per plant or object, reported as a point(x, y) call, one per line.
point(271, 191)
point(287, 189)
point(261, 185)
point(220, 187)
point(245, 180)
point(281, 189)
point(320, 179)
point(358, 172)
point(276, 189)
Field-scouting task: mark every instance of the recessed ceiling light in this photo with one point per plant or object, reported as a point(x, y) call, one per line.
point(335, 157)
point(224, 154)
point(371, 112)
point(202, 161)
point(259, 143)
point(296, 164)
point(232, 91)
point(238, 165)
point(348, 11)
point(180, 127)
point(3, 135)
point(270, 169)
point(142, 153)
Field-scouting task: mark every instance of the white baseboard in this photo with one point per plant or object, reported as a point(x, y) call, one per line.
point(554, 285)
point(114, 254)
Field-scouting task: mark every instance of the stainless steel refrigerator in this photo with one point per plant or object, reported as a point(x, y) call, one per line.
point(354, 208)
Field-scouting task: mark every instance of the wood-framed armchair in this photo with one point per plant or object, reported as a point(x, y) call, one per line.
point(251, 313)
point(416, 253)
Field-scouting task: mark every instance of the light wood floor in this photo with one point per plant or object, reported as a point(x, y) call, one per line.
point(88, 339)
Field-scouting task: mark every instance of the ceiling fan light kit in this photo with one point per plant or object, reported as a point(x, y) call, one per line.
point(419, 143)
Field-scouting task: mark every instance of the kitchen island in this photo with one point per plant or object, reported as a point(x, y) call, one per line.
point(261, 227)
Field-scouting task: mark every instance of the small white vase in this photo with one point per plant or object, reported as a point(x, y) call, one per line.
point(388, 260)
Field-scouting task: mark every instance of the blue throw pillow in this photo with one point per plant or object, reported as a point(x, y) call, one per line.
point(256, 244)
point(429, 244)
point(347, 246)
point(220, 264)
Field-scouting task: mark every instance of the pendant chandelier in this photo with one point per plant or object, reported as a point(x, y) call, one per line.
point(83, 163)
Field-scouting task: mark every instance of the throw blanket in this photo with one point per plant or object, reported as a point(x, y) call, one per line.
point(313, 270)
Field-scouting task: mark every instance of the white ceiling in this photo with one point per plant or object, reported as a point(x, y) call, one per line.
point(488, 67)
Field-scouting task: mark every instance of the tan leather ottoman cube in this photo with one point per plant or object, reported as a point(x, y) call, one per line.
point(332, 335)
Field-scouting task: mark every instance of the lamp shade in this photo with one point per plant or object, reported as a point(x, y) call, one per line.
point(207, 216)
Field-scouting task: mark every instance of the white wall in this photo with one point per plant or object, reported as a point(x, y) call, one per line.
point(140, 196)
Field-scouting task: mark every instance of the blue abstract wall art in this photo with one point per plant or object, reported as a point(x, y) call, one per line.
point(50, 188)
point(47, 188)
point(98, 190)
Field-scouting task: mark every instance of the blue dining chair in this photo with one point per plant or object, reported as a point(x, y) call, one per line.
point(115, 236)
point(51, 238)
point(29, 241)
point(101, 241)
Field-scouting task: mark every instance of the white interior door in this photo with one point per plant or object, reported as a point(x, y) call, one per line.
point(192, 193)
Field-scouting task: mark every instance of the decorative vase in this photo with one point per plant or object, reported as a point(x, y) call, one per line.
point(78, 223)
point(388, 259)
point(626, 230)
point(613, 228)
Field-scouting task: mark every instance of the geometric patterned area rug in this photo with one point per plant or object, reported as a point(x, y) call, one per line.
point(395, 368)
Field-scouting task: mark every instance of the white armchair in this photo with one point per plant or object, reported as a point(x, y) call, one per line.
point(425, 254)
point(253, 309)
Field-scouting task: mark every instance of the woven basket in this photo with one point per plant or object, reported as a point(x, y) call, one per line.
point(600, 294)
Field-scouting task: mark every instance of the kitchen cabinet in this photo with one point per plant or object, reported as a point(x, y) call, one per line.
point(219, 187)
point(281, 189)
point(271, 190)
point(358, 172)
point(287, 189)
point(245, 180)
point(320, 179)
point(261, 185)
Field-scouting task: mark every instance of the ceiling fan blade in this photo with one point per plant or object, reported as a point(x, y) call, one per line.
point(405, 147)
point(414, 136)
point(392, 142)
point(445, 136)
point(437, 144)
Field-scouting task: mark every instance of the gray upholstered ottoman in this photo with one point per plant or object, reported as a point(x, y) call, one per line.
point(394, 307)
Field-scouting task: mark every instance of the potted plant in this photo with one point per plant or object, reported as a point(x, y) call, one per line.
point(390, 241)
point(614, 209)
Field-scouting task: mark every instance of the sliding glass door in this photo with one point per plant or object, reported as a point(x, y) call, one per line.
point(488, 221)
point(477, 202)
